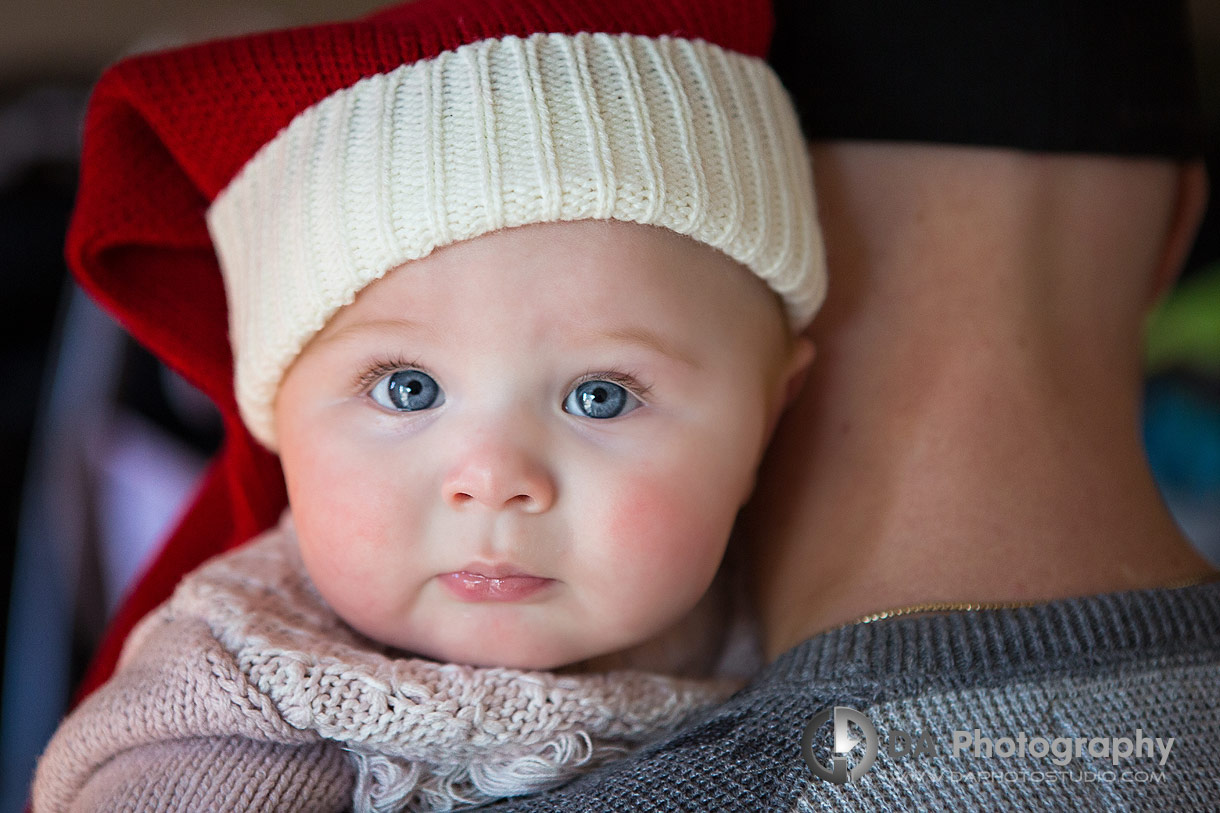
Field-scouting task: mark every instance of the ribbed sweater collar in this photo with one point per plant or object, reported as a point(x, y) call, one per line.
point(972, 647)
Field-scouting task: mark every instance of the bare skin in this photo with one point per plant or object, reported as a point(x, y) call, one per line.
point(971, 429)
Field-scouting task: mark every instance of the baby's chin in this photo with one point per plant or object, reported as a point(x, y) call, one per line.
point(690, 648)
point(675, 650)
point(506, 655)
point(549, 639)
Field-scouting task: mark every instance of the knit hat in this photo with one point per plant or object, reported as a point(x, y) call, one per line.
point(301, 165)
point(433, 123)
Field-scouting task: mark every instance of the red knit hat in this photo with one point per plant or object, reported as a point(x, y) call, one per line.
point(169, 135)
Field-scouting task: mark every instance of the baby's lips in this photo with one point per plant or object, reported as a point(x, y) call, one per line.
point(468, 585)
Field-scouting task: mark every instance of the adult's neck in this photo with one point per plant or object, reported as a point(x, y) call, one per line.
point(970, 429)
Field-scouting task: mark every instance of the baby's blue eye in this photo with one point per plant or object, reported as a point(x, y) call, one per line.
point(408, 391)
point(600, 399)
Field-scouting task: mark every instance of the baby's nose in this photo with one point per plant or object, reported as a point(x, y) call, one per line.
point(500, 477)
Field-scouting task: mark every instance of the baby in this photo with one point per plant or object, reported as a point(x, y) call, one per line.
point(516, 296)
point(527, 449)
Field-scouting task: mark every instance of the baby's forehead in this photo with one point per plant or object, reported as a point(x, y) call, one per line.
point(586, 270)
point(571, 285)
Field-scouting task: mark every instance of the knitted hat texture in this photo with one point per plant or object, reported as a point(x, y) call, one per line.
point(431, 124)
point(289, 169)
point(499, 133)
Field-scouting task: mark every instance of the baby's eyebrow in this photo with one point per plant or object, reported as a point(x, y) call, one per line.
point(637, 335)
point(378, 325)
point(644, 337)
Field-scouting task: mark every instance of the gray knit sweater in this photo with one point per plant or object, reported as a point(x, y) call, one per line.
point(1130, 666)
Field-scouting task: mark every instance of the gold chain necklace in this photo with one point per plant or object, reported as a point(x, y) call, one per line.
point(974, 606)
point(942, 607)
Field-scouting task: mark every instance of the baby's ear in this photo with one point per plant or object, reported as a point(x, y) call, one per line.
point(796, 370)
point(791, 379)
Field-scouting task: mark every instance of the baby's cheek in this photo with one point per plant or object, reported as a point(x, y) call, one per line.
point(343, 497)
point(658, 527)
point(342, 541)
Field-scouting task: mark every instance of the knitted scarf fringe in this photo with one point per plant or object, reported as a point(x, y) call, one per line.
point(386, 784)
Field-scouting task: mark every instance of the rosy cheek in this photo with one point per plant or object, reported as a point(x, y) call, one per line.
point(655, 524)
point(338, 522)
point(344, 558)
point(641, 510)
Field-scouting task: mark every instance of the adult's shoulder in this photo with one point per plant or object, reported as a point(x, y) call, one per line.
point(1107, 667)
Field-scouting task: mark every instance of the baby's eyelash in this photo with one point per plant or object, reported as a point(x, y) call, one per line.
point(379, 368)
point(627, 380)
point(375, 370)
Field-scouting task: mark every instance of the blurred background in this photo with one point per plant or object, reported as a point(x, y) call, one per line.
point(100, 446)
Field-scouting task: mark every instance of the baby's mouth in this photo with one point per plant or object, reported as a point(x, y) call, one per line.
point(497, 585)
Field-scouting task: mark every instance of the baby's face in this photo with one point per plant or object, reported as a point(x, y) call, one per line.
point(529, 448)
